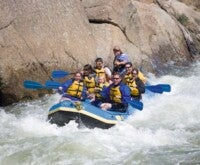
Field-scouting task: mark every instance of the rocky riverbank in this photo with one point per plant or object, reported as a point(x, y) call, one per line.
point(37, 37)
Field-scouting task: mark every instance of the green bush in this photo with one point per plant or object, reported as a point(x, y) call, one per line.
point(183, 19)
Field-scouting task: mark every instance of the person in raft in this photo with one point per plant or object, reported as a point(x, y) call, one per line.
point(129, 70)
point(116, 96)
point(89, 79)
point(73, 89)
point(135, 84)
point(102, 70)
point(99, 86)
point(120, 60)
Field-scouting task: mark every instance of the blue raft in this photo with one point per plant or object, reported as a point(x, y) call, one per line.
point(86, 114)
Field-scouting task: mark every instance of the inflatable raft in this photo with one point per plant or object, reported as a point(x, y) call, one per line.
point(84, 113)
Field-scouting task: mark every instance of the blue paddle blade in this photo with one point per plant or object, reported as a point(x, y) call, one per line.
point(165, 87)
point(32, 85)
point(59, 74)
point(154, 88)
point(52, 84)
point(136, 104)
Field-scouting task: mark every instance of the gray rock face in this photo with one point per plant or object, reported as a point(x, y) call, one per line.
point(37, 37)
point(146, 32)
point(188, 20)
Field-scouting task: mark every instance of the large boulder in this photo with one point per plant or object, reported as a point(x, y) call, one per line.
point(195, 4)
point(37, 37)
point(142, 30)
point(188, 20)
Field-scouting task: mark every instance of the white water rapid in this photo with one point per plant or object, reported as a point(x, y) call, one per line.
point(166, 132)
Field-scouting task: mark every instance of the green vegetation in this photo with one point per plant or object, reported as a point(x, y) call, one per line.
point(183, 19)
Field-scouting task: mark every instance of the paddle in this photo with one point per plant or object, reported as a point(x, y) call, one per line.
point(52, 84)
point(59, 74)
point(165, 87)
point(36, 85)
point(154, 88)
point(32, 85)
point(136, 104)
point(160, 88)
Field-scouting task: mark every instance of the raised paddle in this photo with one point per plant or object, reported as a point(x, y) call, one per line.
point(59, 74)
point(32, 85)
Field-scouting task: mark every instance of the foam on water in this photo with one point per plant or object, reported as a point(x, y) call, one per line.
point(167, 131)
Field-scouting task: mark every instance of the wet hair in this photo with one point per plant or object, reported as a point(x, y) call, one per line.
point(88, 67)
point(117, 73)
point(117, 48)
point(99, 60)
point(129, 63)
point(75, 73)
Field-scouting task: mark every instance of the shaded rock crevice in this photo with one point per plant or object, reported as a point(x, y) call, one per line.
point(98, 21)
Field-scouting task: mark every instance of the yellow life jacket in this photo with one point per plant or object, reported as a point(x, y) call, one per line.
point(115, 94)
point(129, 80)
point(99, 87)
point(100, 72)
point(75, 89)
point(89, 83)
point(142, 77)
point(134, 92)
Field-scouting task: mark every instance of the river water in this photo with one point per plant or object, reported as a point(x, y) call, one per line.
point(166, 132)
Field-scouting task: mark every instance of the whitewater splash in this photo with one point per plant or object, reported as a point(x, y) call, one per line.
point(167, 131)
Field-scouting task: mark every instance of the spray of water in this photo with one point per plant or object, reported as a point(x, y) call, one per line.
point(167, 131)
